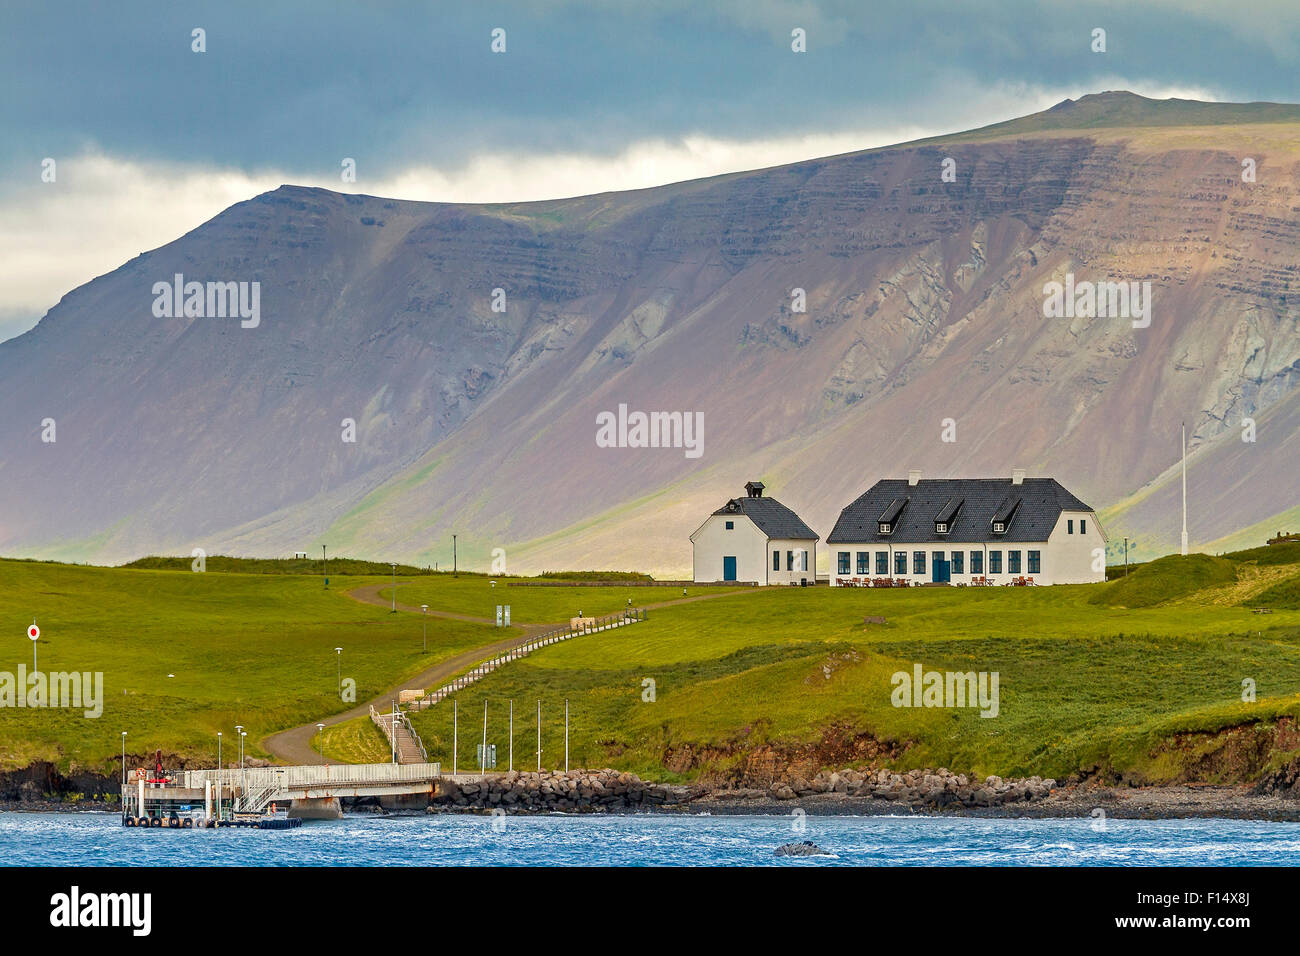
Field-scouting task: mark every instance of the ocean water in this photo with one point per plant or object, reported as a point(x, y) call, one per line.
point(94, 839)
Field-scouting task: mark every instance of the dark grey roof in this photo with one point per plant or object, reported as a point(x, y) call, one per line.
point(1034, 506)
point(773, 518)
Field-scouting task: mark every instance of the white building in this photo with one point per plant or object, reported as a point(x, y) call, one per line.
point(967, 530)
point(755, 539)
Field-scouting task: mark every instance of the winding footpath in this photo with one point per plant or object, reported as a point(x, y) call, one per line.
point(294, 746)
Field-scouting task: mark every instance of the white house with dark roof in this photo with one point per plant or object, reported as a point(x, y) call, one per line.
point(755, 539)
point(967, 531)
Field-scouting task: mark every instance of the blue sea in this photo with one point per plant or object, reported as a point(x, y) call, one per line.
point(91, 839)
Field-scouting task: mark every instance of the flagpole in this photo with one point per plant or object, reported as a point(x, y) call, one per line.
point(1184, 540)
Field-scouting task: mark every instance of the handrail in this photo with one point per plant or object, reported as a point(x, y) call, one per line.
point(568, 631)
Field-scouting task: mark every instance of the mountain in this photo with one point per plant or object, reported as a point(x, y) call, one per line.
point(924, 302)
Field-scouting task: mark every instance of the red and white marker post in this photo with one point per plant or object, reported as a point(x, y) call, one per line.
point(34, 633)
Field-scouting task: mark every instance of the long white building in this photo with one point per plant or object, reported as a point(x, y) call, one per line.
point(967, 531)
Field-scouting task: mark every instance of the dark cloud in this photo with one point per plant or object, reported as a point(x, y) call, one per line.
point(300, 84)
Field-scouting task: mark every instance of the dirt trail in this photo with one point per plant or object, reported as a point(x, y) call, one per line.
point(294, 746)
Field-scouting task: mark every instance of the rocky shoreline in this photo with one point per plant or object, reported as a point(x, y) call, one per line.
point(846, 792)
point(864, 793)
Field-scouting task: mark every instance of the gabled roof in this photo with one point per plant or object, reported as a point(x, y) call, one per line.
point(772, 518)
point(1037, 504)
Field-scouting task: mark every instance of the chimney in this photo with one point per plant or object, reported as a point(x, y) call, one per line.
point(1018, 476)
point(913, 477)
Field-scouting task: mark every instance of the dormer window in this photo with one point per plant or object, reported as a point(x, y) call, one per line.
point(887, 521)
point(947, 515)
point(1005, 513)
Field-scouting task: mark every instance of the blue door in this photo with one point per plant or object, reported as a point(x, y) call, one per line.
point(729, 568)
point(940, 570)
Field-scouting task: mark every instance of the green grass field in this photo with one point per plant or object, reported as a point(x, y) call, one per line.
point(1090, 675)
point(530, 605)
point(250, 649)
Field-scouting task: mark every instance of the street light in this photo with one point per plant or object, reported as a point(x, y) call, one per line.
point(425, 609)
point(320, 739)
point(221, 775)
point(338, 656)
point(394, 611)
point(239, 729)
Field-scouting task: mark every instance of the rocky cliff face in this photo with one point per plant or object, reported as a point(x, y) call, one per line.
point(924, 303)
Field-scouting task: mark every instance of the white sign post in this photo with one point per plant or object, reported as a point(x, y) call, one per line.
point(498, 615)
point(34, 633)
point(507, 615)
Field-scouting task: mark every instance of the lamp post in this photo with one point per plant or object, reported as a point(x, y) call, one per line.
point(124, 758)
point(453, 557)
point(325, 568)
point(425, 609)
point(320, 740)
point(338, 657)
point(221, 775)
point(394, 611)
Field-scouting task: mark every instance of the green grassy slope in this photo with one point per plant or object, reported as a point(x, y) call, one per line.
point(251, 649)
point(1082, 684)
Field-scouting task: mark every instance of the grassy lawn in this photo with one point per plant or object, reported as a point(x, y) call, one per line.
point(353, 741)
point(250, 649)
point(1082, 683)
point(1089, 675)
point(530, 605)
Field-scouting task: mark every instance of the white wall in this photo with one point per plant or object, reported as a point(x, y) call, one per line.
point(1065, 558)
point(786, 576)
point(1072, 554)
point(713, 541)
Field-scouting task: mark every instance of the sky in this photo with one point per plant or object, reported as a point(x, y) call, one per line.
point(149, 138)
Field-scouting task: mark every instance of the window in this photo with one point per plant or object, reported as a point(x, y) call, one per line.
point(803, 564)
point(999, 527)
point(1035, 563)
point(842, 565)
point(1069, 526)
point(789, 560)
point(918, 562)
point(1083, 526)
point(731, 526)
point(864, 562)
point(884, 527)
point(882, 562)
point(900, 562)
point(958, 566)
point(776, 560)
point(1013, 562)
point(995, 562)
point(977, 562)
point(941, 527)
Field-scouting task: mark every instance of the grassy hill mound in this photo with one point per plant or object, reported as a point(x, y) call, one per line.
point(1166, 579)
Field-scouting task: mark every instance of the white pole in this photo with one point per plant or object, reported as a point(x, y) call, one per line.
point(393, 727)
point(482, 757)
point(539, 736)
point(566, 735)
point(1184, 489)
point(455, 728)
point(140, 796)
point(512, 735)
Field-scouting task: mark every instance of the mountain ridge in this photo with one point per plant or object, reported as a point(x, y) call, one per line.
point(922, 297)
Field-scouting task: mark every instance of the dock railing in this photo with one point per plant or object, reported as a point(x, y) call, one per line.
point(254, 779)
